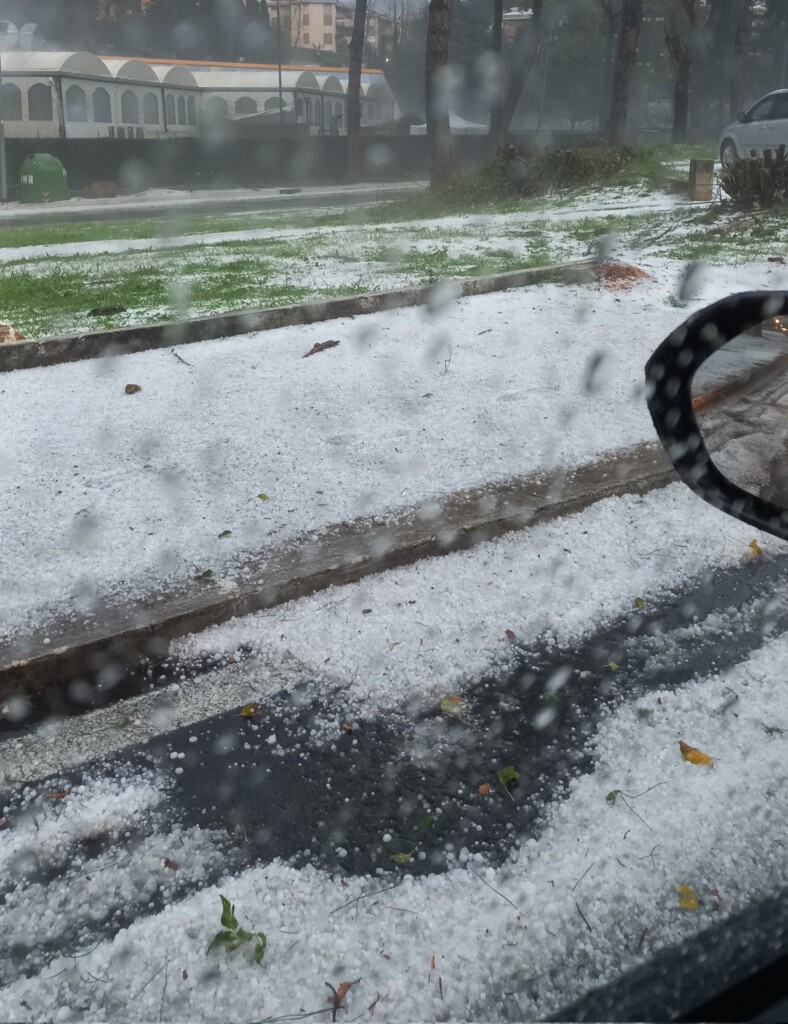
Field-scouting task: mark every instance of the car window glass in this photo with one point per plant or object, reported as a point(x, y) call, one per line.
point(762, 111)
point(780, 106)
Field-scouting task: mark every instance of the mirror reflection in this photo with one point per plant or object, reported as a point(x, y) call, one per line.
point(740, 398)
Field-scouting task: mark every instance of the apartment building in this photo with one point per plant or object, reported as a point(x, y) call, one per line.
point(327, 25)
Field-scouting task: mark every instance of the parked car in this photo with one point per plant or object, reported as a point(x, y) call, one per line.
point(764, 126)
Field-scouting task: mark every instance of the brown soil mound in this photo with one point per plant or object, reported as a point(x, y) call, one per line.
point(621, 276)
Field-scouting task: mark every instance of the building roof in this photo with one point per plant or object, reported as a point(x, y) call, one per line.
point(131, 68)
point(174, 75)
point(53, 62)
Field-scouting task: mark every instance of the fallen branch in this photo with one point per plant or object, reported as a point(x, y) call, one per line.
point(320, 346)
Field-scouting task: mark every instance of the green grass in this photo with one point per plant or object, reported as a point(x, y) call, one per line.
point(482, 191)
point(54, 295)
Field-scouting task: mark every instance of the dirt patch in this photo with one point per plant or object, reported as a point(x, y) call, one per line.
point(621, 276)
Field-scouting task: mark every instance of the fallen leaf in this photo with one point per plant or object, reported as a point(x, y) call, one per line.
point(366, 611)
point(132, 389)
point(348, 727)
point(393, 644)
point(205, 575)
point(343, 883)
point(718, 900)
point(613, 666)
point(428, 822)
point(250, 710)
point(612, 796)
point(432, 966)
point(185, 975)
point(58, 796)
point(8, 333)
point(262, 496)
point(338, 995)
point(687, 898)
point(693, 755)
point(755, 547)
point(225, 533)
point(401, 858)
point(451, 705)
point(510, 634)
point(485, 788)
point(507, 775)
point(320, 346)
point(3, 822)
point(640, 604)
point(173, 865)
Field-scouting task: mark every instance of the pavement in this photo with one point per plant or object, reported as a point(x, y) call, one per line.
point(262, 798)
point(116, 637)
point(164, 202)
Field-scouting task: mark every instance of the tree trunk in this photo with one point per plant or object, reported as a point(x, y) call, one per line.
point(526, 51)
point(496, 45)
point(356, 51)
point(626, 53)
point(741, 29)
point(439, 16)
point(681, 56)
point(604, 98)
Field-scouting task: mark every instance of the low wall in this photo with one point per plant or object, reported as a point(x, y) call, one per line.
point(263, 161)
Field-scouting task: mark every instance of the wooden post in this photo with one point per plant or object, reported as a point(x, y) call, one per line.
point(701, 183)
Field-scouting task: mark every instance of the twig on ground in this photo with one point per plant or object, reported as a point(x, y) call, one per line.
point(580, 879)
point(497, 893)
point(364, 896)
point(181, 359)
point(585, 919)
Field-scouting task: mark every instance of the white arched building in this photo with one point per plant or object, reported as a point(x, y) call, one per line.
point(80, 95)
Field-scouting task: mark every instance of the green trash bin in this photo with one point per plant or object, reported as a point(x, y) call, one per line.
point(42, 179)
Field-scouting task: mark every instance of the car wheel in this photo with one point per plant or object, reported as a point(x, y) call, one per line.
point(728, 153)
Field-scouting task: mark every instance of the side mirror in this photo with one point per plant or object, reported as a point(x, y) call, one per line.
point(717, 391)
point(742, 117)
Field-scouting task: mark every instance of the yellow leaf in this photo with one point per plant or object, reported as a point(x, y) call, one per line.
point(402, 858)
point(250, 710)
point(687, 898)
point(451, 705)
point(693, 755)
point(755, 547)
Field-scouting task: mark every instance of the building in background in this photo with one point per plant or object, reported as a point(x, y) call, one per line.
point(55, 94)
point(326, 26)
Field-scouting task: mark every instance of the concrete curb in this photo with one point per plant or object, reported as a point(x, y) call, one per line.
point(71, 348)
point(344, 553)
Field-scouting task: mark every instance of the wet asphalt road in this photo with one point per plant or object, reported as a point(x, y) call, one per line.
point(270, 789)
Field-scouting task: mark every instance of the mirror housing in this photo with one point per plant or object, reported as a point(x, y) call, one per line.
point(742, 117)
point(669, 375)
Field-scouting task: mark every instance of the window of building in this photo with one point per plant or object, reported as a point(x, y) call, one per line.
point(328, 39)
point(328, 15)
point(76, 104)
point(150, 108)
point(102, 108)
point(216, 106)
point(129, 108)
point(169, 109)
point(182, 109)
point(191, 110)
point(306, 39)
point(39, 102)
point(12, 103)
point(245, 105)
point(305, 20)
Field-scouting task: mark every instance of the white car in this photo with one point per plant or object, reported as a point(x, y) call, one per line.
point(764, 126)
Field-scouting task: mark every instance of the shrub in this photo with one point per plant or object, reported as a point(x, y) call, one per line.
point(756, 181)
